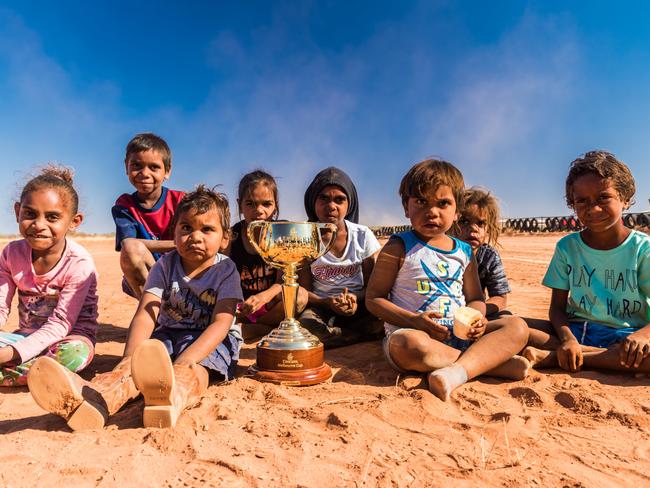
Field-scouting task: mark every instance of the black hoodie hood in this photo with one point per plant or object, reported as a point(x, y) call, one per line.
point(332, 176)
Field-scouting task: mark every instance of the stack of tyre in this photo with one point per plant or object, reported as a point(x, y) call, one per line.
point(568, 223)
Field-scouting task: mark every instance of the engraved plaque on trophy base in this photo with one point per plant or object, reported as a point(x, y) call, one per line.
point(301, 367)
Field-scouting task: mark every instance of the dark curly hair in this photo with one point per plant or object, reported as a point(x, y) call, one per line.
point(605, 165)
point(202, 200)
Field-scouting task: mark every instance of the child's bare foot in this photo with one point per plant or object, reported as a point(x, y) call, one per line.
point(515, 368)
point(445, 380)
point(539, 358)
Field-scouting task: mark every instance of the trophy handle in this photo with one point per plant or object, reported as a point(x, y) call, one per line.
point(327, 234)
point(261, 226)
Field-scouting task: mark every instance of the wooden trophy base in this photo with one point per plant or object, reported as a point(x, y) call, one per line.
point(291, 367)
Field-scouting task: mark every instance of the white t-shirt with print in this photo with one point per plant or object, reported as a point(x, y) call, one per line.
point(330, 275)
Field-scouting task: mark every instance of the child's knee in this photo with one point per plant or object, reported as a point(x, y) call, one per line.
point(517, 329)
point(133, 253)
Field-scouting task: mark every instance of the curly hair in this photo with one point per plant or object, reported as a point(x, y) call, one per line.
point(605, 165)
point(487, 202)
point(430, 174)
point(202, 200)
point(59, 178)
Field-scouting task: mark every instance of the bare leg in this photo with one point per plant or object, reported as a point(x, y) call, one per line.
point(503, 338)
point(541, 334)
point(540, 358)
point(515, 368)
point(611, 359)
point(415, 350)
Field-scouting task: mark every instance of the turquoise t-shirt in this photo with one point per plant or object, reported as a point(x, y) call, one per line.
point(609, 287)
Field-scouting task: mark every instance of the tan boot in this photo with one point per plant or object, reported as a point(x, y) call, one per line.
point(167, 389)
point(83, 404)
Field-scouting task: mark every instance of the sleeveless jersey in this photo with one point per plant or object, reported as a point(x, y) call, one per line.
point(430, 279)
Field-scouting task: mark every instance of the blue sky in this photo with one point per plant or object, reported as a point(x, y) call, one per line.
point(510, 92)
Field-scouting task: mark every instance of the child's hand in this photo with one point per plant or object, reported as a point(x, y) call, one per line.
point(344, 303)
point(251, 305)
point(337, 305)
point(634, 349)
point(349, 301)
point(569, 355)
point(477, 329)
point(425, 321)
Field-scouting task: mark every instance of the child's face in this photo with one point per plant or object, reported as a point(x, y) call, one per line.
point(473, 224)
point(597, 203)
point(44, 218)
point(331, 205)
point(433, 214)
point(146, 171)
point(259, 204)
point(199, 237)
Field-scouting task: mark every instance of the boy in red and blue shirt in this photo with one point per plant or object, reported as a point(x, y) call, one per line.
point(143, 219)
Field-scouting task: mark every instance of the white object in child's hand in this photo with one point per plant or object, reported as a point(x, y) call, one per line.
point(464, 319)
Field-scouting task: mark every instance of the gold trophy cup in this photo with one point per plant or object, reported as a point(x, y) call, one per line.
point(290, 354)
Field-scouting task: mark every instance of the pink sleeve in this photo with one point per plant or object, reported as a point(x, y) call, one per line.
point(7, 286)
point(72, 297)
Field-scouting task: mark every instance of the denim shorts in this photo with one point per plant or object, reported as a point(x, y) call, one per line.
point(223, 360)
point(598, 335)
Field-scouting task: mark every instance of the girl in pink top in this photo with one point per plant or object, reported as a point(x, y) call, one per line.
point(55, 279)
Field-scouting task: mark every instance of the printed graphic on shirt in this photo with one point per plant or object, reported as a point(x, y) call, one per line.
point(326, 273)
point(619, 282)
point(255, 279)
point(183, 306)
point(35, 308)
point(440, 286)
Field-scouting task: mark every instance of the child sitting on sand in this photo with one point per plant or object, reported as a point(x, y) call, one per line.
point(143, 230)
point(478, 226)
point(186, 314)
point(600, 278)
point(336, 282)
point(261, 284)
point(423, 276)
point(55, 278)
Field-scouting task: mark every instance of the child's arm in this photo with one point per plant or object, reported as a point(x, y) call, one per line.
point(213, 335)
point(569, 354)
point(495, 304)
point(155, 245)
point(474, 297)
point(367, 266)
point(254, 302)
point(496, 283)
point(143, 322)
point(381, 281)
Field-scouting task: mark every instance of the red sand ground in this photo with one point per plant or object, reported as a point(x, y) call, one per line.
point(366, 428)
